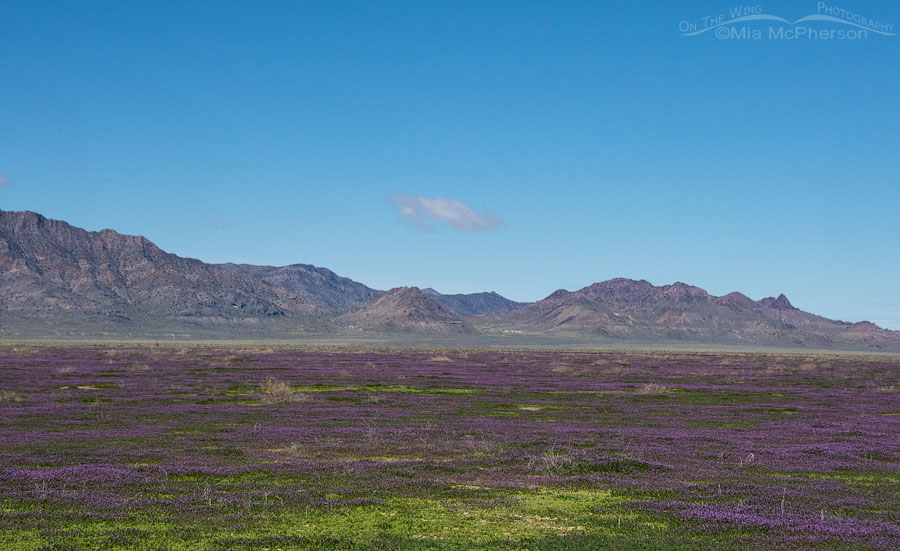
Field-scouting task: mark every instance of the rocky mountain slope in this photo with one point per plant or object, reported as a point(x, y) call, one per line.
point(55, 277)
point(49, 267)
point(319, 286)
point(473, 304)
point(405, 309)
point(629, 309)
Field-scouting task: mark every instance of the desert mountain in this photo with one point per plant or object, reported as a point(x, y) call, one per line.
point(405, 309)
point(473, 304)
point(49, 267)
point(55, 277)
point(319, 286)
point(629, 309)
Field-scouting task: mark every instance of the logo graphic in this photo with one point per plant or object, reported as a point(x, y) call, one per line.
point(753, 23)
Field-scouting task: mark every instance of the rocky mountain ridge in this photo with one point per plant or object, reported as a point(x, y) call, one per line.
point(473, 304)
point(57, 276)
point(49, 266)
point(636, 309)
point(406, 309)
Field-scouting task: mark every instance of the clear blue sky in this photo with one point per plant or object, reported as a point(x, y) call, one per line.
point(604, 143)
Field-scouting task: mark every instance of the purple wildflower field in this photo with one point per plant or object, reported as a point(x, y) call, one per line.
point(198, 447)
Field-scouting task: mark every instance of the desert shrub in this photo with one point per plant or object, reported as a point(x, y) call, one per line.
point(653, 389)
point(550, 463)
point(139, 368)
point(276, 391)
point(10, 396)
point(295, 450)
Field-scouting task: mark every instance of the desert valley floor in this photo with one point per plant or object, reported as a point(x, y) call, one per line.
point(142, 446)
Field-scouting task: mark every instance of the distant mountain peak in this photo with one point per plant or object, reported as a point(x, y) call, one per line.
point(405, 309)
point(473, 304)
point(51, 268)
point(630, 309)
point(779, 303)
point(404, 291)
point(321, 286)
point(682, 292)
point(736, 300)
point(783, 303)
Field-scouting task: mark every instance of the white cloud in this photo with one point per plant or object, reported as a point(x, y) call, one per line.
point(423, 212)
point(4, 181)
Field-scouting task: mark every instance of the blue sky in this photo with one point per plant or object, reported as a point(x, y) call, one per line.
point(511, 146)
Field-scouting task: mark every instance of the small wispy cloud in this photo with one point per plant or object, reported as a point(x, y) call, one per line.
point(423, 212)
point(4, 181)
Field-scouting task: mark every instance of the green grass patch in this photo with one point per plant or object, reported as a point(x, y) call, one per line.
point(427, 391)
point(479, 518)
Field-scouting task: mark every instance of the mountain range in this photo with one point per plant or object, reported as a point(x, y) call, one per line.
point(57, 279)
point(473, 304)
point(406, 309)
point(638, 310)
point(50, 267)
point(318, 286)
